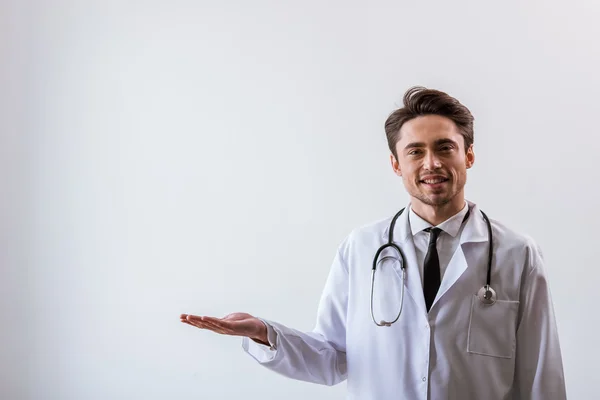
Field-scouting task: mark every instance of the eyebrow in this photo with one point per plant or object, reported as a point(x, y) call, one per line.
point(438, 142)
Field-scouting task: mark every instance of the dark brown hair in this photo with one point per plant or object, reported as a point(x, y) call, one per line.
point(420, 101)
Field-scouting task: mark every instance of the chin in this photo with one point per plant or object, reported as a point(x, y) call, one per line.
point(439, 201)
point(434, 199)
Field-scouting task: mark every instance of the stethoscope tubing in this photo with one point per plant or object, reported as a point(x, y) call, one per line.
point(486, 294)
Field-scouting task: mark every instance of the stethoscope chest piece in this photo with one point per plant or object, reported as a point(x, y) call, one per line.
point(487, 295)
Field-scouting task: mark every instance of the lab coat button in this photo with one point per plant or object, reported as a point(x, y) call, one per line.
point(424, 379)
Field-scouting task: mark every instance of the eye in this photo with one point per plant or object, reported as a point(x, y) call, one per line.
point(414, 152)
point(446, 147)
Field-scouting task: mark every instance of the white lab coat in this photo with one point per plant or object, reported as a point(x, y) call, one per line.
point(460, 350)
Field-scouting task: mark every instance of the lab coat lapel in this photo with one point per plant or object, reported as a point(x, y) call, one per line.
point(454, 270)
point(403, 238)
point(475, 230)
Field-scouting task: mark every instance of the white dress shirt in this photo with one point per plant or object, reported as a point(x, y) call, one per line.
point(447, 242)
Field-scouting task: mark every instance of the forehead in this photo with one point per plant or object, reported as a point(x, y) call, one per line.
point(428, 129)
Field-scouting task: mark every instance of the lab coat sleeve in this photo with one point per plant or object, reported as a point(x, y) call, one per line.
point(318, 356)
point(539, 369)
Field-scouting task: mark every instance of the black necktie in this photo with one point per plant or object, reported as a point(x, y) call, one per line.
point(431, 279)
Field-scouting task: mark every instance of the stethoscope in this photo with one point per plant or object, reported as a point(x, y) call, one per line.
point(486, 294)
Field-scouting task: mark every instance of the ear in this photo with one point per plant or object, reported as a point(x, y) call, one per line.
point(470, 157)
point(395, 165)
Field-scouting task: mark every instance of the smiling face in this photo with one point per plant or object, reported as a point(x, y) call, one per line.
point(432, 161)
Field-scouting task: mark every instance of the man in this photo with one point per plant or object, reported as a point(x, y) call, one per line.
point(454, 338)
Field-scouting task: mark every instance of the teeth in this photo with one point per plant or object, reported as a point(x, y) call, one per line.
point(439, 180)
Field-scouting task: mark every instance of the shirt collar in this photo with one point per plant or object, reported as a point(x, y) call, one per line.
point(451, 226)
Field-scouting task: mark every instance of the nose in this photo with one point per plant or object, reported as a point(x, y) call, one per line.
point(431, 161)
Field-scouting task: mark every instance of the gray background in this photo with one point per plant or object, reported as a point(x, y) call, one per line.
point(159, 158)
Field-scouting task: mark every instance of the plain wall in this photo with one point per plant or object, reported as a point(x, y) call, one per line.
point(159, 158)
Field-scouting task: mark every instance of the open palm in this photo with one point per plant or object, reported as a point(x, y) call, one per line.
point(235, 324)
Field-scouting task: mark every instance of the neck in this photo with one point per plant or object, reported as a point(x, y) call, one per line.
point(436, 214)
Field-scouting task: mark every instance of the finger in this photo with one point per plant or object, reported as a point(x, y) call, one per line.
point(203, 326)
point(221, 326)
point(197, 323)
point(210, 321)
point(218, 328)
point(214, 324)
point(235, 327)
point(219, 322)
point(200, 322)
point(187, 316)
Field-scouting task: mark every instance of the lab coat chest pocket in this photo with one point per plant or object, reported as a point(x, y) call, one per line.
point(492, 328)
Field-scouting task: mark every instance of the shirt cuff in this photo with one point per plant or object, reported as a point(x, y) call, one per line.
point(271, 335)
point(259, 351)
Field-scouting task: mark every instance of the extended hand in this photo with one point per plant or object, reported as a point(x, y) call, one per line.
point(236, 324)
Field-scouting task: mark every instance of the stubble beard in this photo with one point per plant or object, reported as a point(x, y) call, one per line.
point(437, 201)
